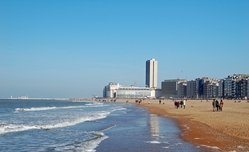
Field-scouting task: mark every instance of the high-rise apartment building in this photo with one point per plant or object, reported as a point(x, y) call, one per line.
point(248, 88)
point(151, 73)
point(193, 89)
point(221, 88)
point(182, 90)
point(170, 88)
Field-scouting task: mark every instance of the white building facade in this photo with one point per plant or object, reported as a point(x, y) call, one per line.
point(151, 73)
point(110, 90)
point(115, 90)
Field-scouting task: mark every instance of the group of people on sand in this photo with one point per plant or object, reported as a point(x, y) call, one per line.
point(217, 106)
point(181, 103)
point(138, 101)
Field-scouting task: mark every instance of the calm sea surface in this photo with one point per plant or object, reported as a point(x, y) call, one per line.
point(53, 125)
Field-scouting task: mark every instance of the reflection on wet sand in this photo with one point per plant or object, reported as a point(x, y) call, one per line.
point(154, 125)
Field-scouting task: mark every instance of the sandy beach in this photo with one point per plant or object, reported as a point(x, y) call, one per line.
point(226, 130)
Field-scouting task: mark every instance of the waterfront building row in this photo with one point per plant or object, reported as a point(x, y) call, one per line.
point(235, 86)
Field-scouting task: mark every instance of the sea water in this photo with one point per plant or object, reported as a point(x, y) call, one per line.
point(63, 125)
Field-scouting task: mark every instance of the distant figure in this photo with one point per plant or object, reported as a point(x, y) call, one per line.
point(140, 101)
point(217, 105)
point(181, 103)
point(160, 101)
point(127, 101)
point(184, 103)
point(177, 104)
point(221, 105)
point(214, 104)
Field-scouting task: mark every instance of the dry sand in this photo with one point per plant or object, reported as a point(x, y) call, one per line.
point(227, 130)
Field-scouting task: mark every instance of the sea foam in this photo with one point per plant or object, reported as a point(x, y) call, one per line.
point(6, 128)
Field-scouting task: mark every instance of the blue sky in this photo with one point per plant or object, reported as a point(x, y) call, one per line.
point(74, 48)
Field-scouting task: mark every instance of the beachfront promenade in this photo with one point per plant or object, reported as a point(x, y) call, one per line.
point(226, 130)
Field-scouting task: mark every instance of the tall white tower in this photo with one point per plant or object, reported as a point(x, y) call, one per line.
point(151, 73)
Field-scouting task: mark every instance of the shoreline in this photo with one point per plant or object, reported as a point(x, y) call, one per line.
point(226, 130)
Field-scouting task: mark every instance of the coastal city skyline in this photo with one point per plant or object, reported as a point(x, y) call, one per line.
point(234, 86)
point(72, 49)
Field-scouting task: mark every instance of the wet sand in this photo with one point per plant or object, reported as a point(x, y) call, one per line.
point(226, 130)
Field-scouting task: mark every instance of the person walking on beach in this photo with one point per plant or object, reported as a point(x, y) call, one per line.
point(177, 104)
point(181, 103)
point(217, 105)
point(214, 104)
point(221, 105)
point(184, 103)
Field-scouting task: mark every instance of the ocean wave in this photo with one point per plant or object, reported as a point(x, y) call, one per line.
point(153, 142)
point(35, 109)
point(91, 145)
point(94, 103)
point(118, 109)
point(87, 145)
point(7, 128)
point(55, 108)
point(90, 102)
